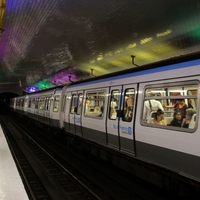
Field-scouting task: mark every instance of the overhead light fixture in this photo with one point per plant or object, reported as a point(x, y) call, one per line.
point(132, 56)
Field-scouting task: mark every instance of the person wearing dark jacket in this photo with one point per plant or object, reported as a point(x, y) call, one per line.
point(177, 121)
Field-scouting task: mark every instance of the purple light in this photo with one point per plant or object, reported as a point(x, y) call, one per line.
point(62, 78)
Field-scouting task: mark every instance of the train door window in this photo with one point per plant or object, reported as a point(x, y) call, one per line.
point(22, 103)
point(73, 101)
point(56, 103)
point(41, 103)
point(176, 103)
point(128, 104)
point(80, 102)
point(94, 105)
point(36, 103)
point(63, 103)
point(33, 103)
point(26, 103)
point(114, 100)
point(17, 103)
point(48, 103)
point(29, 103)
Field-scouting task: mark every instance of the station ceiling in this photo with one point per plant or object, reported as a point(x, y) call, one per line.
point(44, 43)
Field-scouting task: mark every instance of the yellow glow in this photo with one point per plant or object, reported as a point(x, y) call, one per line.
point(109, 54)
point(131, 46)
point(165, 33)
point(119, 51)
point(145, 40)
point(100, 57)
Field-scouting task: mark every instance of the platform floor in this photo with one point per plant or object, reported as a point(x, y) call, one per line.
point(11, 185)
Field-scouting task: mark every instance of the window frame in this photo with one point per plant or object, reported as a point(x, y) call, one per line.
point(168, 85)
point(96, 99)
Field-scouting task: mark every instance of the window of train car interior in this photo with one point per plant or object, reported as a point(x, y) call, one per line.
point(36, 103)
point(48, 103)
point(33, 103)
point(172, 106)
point(26, 103)
point(29, 103)
point(94, 105)
point(22, 103)
point(73, 101)
point(128, 104)
point(56, 103)
point(80, 103)
point(63, 103)
point(113, 108)
point(41, 103)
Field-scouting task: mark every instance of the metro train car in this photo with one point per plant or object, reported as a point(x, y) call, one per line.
point(37, 106)
point(109, 112)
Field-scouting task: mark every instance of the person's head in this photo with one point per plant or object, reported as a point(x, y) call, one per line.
point(177, 114)
point(152, 94)
point(159, 115)
point(131, 96)
point(180, 101)
point(189, 113)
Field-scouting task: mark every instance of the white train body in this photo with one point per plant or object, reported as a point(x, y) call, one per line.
point(174, 148)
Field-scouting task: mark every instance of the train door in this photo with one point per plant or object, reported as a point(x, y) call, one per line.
point(67, 111)
point(47, 109)
point(75, 112)
point(55, 114)
point(72, 112)
point(123, 125)
point(78, 111)
point(112, 119)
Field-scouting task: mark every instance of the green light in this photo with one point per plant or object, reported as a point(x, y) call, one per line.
point(44, 84)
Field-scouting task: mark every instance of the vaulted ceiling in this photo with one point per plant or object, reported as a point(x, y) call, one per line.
point(44, 43)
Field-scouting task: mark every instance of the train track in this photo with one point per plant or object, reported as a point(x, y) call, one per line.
point(43, 176)
point(71, 175)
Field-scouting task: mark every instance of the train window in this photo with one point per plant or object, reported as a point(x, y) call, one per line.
point(26, 103)
point(36, 103)
point(128, 104)
point(80, 101)
point(33, 103)
point(29, 103)
point(48, 103)
point(94, 106)
point(41, 103)
point(56, 103)
point(114, 100)
point(174, 106)
point(73, 100)
point(22, 103)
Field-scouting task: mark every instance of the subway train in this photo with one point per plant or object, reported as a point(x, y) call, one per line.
point(109, 113)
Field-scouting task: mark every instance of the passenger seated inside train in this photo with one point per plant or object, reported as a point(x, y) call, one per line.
point(151, 105)
point(177, 120)
point(158, 118)
point(190, 119)
point(101, 111)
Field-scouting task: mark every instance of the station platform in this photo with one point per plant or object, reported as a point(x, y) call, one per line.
point(11, 185)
